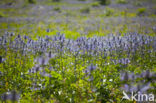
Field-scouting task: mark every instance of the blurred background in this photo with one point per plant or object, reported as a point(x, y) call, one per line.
point(77, 17)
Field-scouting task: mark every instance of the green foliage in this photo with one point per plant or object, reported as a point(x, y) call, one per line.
point(108, 11)
point(58, 9)
point(95, 4)
point(137, 3)
point(2, 14)
point(141, 11)
point(32, 1)
point(15, 70)
point(104, 2)
point(85, 10)
point(121, 1)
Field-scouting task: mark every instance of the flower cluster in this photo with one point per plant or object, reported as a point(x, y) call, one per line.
point(143, 83)
point(95, 46)
point(95, 64)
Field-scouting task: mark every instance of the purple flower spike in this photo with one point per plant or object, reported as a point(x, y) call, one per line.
point(126, 76)
point(48, 30)
point(91, 67)
point(126, 87)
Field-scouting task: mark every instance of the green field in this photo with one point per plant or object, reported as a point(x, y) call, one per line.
point(77, 51)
